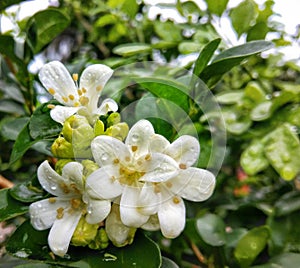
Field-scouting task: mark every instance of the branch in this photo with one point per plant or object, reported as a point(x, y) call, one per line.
point(5, 183)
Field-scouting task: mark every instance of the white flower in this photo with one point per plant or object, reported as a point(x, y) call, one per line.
point(59, 83)
point(150, 176)
point(62, 212)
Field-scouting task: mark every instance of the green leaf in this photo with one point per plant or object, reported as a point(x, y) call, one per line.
point(251, 244)
point(282, 148)
point(258, 31)
point(44, 26)
point(166, 89)
point(231, 57)
point(168, 31)
point(253, 159)
point(187, 47)
point(130, 7)
point(230, 97)
point(205, 56)
point(7, 3)
point(11, 128)
point(212, 229)
point(131, 49)
point(216, 7)
point(9, 207)
point(8, 106)
point(167, 263)
point(287, 204)
point(243, 16)
point(283, 260)
point(41, 124)
point(32, 244)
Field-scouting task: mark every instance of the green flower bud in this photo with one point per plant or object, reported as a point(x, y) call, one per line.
point(62, 148)
point(101, 240)
point(118, 131)
point(98, 128)
point(60, 164)
point(113, 119)
point(84, 233)
point(89, 167)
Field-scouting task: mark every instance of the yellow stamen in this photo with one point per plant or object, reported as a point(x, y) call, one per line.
point(65, 99)
point(65, 188)
point(52, 200)
point(116, 161)
point(134, 148)
point(75, 203)
point(50, 106)
point(147, 157)
point(79, 92)
point(99, 88)
point(84, 90)
point(127, 158)
point(176, 200)
point(76, 104)
point(60, 213)
point(51, 91)
point(182, 166)
point(169, 184)
point(84, 100)
point(75, 77)
point(71, 97)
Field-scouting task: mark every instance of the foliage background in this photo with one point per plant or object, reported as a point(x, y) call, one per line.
point(253, 217)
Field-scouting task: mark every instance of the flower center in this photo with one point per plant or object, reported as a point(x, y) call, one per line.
point(129, 176)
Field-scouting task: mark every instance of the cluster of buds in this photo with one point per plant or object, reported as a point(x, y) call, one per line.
point(110, 180)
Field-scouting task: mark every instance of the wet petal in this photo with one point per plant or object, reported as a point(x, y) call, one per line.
point(158, 143)
point(108, 105)
point(152, 224)
point(138, 138)
point(148, 200)
point(171, 215)
point(159, 168)
point(185, 150)
point(73, 172)
point(52, 182)
point(106, 150)
point(129, 212)
point(194, 184)
point(57, 80)
point(43, 213)
point(97, 210)
point(62, 231)
point(103, 183)
point(61, 113)
point(93, 79)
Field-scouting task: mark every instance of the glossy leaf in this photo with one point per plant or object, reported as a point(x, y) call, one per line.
point(11, 128)
point(32, 244)
point(251, 244)
point(231, 57)
point(41, 125)
point(7, 3)
point(212, 229)
point(231, 97)
point(168, 31)
point(44, 26)
point(242, 16)
point(282, 261)
point(167, 263)
point(127, 50)
point(217, 7)
point(287, 204)
point(9, 207)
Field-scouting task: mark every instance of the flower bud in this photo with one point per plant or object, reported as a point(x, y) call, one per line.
point(89, 167)
point(98, 128)
point(113, 119)
point(60, 164)
point(101, 240)
point(118, 131)
point(62, 148)
point(84, 233)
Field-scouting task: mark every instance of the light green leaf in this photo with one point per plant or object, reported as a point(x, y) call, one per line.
point(283, 260)
point(212, 229)
point(230, 97)
point(251, 244)
point(188, 47)
point(11, 127)
point(243, 16)
point(216, 7)
point(44, 26)
point(7, 3)
point(168, 31)
point(258, 31)
point(131, 49)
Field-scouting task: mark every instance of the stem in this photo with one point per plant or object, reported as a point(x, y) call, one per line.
point(198, 253)
point(5, 183)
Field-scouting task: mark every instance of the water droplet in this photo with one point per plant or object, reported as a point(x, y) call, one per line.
point(104, 156)
point(268, 97)
point(89, 209)
point(53, 187)
point(135, 137)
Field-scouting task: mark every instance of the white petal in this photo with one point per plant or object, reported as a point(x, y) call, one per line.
point(185, 150)
point(116, 231)
point(61, 113)
point(148, 200)
point(152, 224)
point(55, 76)
point(194, 184)
point(97, 210)
point(43, 213)
point(138, 137)
point(108, 105)
point(73, 172)
point(107, 149)
point(171, 215)
point(158, 143)
point(52, 182)
point(159, 168)
point(129, 212)
point(62, 231)
point(93, 79)
point(103, 183)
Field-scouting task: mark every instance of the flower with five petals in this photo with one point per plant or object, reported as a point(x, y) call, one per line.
point(59, 83)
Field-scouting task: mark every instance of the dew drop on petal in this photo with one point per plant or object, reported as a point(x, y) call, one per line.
point(53, 187)
point(104, 157)
point(135, 137)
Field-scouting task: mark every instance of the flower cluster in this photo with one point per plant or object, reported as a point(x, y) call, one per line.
point(110, 180)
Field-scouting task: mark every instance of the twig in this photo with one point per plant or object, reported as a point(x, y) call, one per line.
point(5, 183)
point(198, 253)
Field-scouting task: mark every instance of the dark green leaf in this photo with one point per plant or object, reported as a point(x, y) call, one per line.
point(11, 128)
point(243, 15)
point(9, 207)
point(216, 7)
point(41, 125)
point(44, 26)
point(8, 106)
point(167, 263)
point(287, 204)
point(230, 58)
point(251, 244)
point(258, 31)
point(32, 244)
point(7, 3)
point(205, 56)
point(127, 50)
point(212, 229)
point(282, 261)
